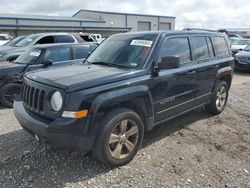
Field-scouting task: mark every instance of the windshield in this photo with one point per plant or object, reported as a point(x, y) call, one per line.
point(247, 48)
point(14, 41)
point(29, 57)
point(26, 41)
point(124, 51)
point(240, 42)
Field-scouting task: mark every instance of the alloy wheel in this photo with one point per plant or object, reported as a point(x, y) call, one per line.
point(221, 98)
point(123, 139)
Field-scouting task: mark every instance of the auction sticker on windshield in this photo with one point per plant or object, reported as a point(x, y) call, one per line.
point(146, 43)
point(36, 54)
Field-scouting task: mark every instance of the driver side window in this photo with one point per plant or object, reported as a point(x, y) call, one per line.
point(46, 40)
point(58, 54)
point(177, 46)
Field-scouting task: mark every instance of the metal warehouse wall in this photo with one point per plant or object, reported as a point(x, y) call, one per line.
point(105, 23)
point(126, 20)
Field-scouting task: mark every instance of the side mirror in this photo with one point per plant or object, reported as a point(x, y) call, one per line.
point(47, 62)
point(169, 62)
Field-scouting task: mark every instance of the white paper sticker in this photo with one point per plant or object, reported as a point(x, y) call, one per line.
point(36, 54)
point(146, 43)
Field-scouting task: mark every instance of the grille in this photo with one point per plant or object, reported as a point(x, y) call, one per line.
point(33, 98)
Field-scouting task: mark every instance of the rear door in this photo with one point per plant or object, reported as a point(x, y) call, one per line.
point(206, 66)
point(209, 53)
point(175, 90)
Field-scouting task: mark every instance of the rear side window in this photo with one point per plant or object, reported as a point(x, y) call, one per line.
point(58, 54)
point(221, 48)
point(178, 46)
point(81, 52)
point(64, 39)
point(200, 48)
point(87, 38)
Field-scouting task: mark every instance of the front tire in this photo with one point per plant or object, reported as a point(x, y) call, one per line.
point(8, 92)
point(120, 138)
point(219, 99)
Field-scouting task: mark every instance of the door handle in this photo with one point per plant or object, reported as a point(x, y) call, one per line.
point(215, 66)
point(186, 73)
point(191, 72)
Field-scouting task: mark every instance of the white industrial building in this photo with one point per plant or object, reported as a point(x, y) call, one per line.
point(244, 32)
point(105, 23)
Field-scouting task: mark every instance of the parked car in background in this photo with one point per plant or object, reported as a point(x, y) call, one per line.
point(14, 41)
point(44, 56)
point(10, 53)
point(234, 36)
point(130, 84)
point(4, 38)
point(238, 44)
point(86, 37)
point(98, 37)
point(242, 59)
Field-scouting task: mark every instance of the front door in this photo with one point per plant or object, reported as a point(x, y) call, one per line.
point(175, 90)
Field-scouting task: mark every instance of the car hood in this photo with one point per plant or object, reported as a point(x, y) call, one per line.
point(79, 77)
point(243, 54)
point(11, 49)
point(8, 68)
point(237, 47)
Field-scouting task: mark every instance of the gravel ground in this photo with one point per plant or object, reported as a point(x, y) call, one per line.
point(195, 150)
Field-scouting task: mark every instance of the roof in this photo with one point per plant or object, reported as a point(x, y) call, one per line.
point(42, 46)
point(171, 32)
point(50, 33)
point(119, 13)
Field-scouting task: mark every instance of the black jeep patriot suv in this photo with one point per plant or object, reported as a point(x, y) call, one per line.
point(131, 83)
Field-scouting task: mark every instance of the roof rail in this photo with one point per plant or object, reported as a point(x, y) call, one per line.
point(209, 30)
point(198, 29)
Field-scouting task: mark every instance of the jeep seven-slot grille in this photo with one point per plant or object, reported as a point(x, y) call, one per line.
point(33, 98)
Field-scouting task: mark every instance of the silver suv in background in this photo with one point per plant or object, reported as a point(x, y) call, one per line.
point(10, 53)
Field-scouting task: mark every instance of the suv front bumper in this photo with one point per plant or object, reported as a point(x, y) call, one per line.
point(62, 132)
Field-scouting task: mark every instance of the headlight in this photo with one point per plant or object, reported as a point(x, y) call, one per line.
point(56, 101)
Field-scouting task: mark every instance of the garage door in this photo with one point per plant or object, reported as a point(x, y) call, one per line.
point(144, 26)
point(165, 26)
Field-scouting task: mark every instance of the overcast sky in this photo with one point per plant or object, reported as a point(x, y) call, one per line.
point(189, 13)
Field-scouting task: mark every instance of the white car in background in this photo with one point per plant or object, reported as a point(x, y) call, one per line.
point(98, 38)
point(4, 38)
point(238, 44)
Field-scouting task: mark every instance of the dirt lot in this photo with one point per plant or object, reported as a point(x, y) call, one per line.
point(195, 150)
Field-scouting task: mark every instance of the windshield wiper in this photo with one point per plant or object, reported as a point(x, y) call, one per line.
point(16, 62)
point(102, 63)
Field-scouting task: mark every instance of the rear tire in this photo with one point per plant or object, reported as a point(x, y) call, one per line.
point(120, 138)
point(8, 92)
point(219, 99)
